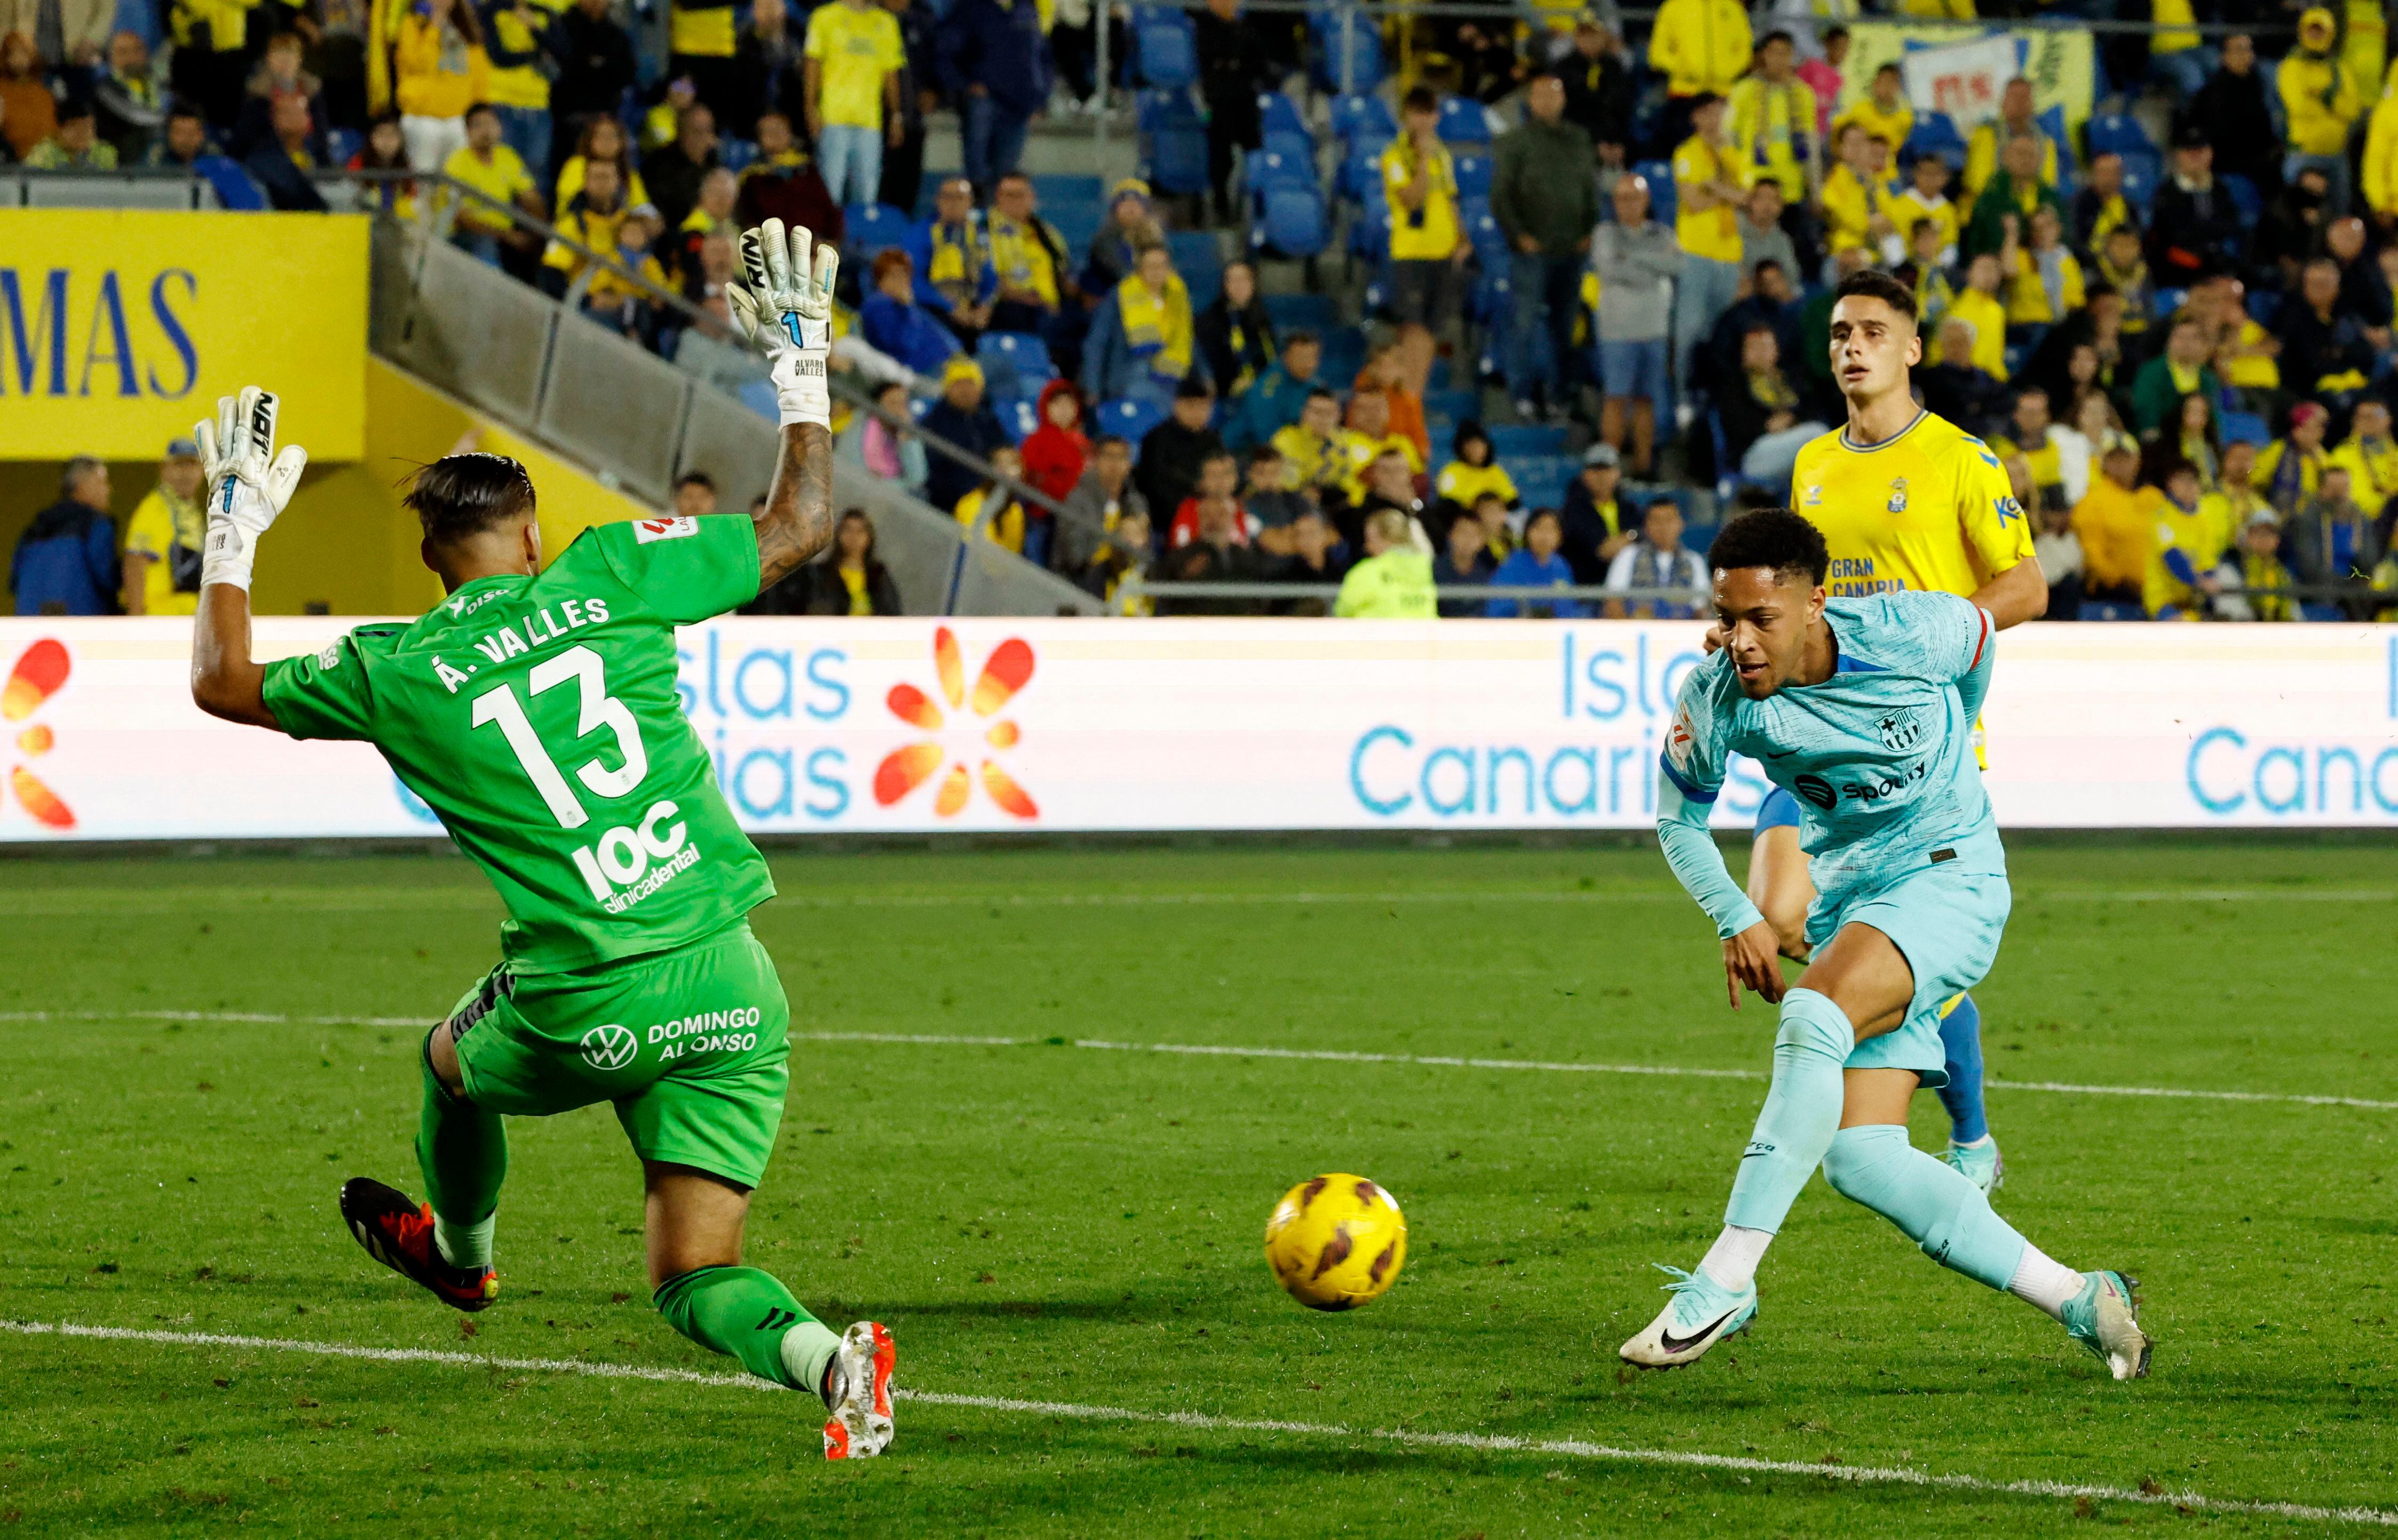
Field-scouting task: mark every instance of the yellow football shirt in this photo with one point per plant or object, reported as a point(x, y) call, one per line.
point(501, 179)
point(1430, 234)
point(1710, 232)
point(2200, 534)
point(1929, 511)
point(854, 49)
point(160, 525)
point(1911, 206)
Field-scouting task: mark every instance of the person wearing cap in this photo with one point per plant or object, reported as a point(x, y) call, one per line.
point(1701, 46)
point(2195, 227)
point(852, 61)
point(962, 418)
point(1595, 525)
point(2290, 470)
point(1770, 114)
point(2253, 583)
point(1132, 222)
point(2321, 99)
point(2330, 540)
point(2018, 118)
point(1544, 195)
point(163, 541)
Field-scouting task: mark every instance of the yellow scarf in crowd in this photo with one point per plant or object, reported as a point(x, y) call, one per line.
point(1157, 325)
point(1023, 259)
point(958, 260)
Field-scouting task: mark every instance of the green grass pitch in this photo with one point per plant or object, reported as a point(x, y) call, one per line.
point(1043, 1221)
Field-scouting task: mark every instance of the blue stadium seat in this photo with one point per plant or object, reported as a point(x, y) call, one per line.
point(1279, 115)
point(1448, 406)
point(1298, 148)
point(1935, 134)
point(2244, 197)
point(1018, 418)
point(1363, 41)
point(1364, 122)
point(1493, 294)
point(872, 226)
point(1128, 420)
point(236, 189)
point(1489, 241)
point(1178, 161)
point(1541, 480)
point(2264, 306)
point(2139, 183)
point(2245, 427)
point(2170, 300)
point(1472, 175)
point(1509, 442)
point(1014, 365)
point(737, 152)
point(1359, 175)
point(1273, 169)
point(1313, 312)
point(1291, 220)
point(1195, 252)
point(2119, 133)
point(1078, 225)
point(1174, 109)
point(1165, 47)
point(1462, 121)
point(1659, 175)
point(1369, 233)
point(1344, 353)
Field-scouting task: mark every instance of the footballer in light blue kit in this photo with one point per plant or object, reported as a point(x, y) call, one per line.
point(1864, 710)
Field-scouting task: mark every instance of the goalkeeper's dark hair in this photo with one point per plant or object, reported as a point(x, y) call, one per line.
point(1871, 283)
point(460, 496)
point(1774, 538)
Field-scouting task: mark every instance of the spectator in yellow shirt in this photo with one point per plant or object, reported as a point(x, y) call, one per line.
point(489, 167)
point(439, 70)
point(1926, 197)
point(1701, 46)
point(2116, 522)
point(2017, 119)
point(1853, 212)
point(1367, 439)
point(163, 543)
point(1770, 116)
point(2380, 189)
point(1313, 463)
point(1428, 244)
point(1977, 305)
point(2047, 285)
point(1710, 180)
point(2370, 458)
point(1882, 112)
point(2321, 99)
point(853, 60)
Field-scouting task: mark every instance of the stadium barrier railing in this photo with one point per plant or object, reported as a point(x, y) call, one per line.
point(508, 348)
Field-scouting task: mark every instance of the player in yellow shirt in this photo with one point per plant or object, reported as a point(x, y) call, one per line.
point(162, 543)
point(1905, 500)
point(853, 57)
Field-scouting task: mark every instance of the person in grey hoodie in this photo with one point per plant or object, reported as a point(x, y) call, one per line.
point(1635, 258)
point(1104, 496)
point(1544, 195)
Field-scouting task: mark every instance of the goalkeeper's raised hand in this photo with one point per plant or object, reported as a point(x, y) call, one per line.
point(248, 482)
point(785, 310)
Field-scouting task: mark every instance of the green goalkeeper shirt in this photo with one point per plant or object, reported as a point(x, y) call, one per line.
point(538, 718)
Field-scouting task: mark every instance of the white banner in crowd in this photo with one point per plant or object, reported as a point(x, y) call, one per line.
point(866, 727)
point(1963, 80)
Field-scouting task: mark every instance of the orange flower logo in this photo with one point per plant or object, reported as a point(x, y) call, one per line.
point(40, 671)
point(1007, 670)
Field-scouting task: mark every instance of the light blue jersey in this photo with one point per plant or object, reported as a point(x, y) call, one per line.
point(1880, 756)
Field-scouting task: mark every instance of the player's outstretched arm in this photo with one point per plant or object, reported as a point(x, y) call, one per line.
point(2017, 595)
point(247, 484)
point(1751, 950)
point(785, 312)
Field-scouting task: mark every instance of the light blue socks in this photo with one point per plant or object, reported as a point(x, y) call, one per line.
point(1932, 1203)
point(1802, 1114)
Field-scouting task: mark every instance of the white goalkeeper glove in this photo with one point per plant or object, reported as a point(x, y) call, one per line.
point(248, 482)
point(785, 311)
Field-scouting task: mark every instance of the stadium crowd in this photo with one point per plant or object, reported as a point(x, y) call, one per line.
point(2182, 356)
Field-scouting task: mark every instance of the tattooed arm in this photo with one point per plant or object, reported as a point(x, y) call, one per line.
point(796, 520)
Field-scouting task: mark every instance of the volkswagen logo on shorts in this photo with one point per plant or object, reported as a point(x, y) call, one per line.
point(610, 1046)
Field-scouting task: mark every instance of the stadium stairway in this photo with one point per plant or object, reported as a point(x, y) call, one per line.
point(635, 423)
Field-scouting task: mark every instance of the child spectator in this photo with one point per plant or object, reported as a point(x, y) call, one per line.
point(1977, 305)
point(1057, 452)
point(385, 150)
point(1095, 507)
point(1473, 472)
point(2252, 584)
point(1004, 522)
point(1657, 559)
point(1502, 529)
point(1123, 558)
point(77, 144)
point(1926, 197)
point(1220, 479)
point(1270, 501)
point(711, 215)
point(882, 451)
point(1465, 563)
point(1537, 565)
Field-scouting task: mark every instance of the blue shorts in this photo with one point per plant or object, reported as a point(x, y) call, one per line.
point(1634, 369)
point(1947, 924)
point(1779, 810)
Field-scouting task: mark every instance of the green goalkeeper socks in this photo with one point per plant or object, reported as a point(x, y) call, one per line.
point(748, 1313)
point(464, 1153)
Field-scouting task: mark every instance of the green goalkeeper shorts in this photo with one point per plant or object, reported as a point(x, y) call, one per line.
point(690, 1046)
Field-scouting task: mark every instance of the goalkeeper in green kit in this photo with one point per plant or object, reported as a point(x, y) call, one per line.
point(536, 712)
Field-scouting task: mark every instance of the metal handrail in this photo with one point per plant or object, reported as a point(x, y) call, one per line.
point(850, 394)
point(2324, 593)
point(1377, 11)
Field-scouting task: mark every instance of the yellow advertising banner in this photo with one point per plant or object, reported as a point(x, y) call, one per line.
point(2059, 64)
point(119, 330)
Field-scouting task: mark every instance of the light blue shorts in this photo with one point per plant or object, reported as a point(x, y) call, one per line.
point(1948, 924)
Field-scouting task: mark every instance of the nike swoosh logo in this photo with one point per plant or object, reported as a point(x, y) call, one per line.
point(1783, 754)
point(1672, 1344)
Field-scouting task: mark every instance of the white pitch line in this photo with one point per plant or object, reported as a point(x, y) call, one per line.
point(1487, 1443)
point(1236, 1050)
point(1552, 1066)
